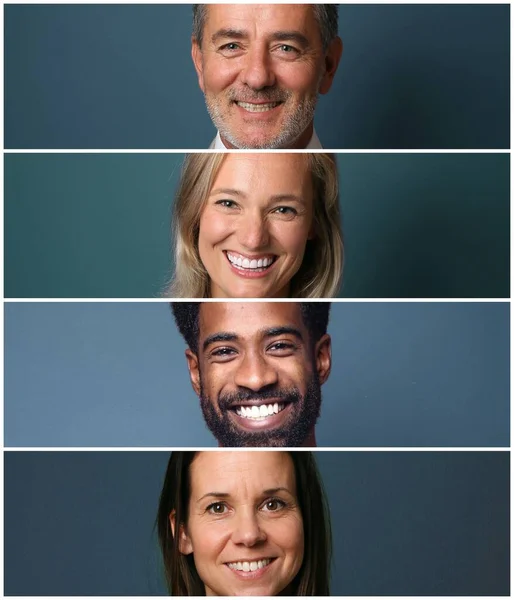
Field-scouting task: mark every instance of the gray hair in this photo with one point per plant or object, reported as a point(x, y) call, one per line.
point(326, 15)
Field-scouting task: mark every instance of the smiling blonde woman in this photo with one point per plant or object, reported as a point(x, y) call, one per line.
point(257, 226)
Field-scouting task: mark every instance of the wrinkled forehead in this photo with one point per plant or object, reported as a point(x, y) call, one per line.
point(248, 320)
point(260, 20)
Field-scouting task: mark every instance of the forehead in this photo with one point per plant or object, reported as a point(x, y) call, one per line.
point(248, 320)
point(262, 19)
point(241, 473)
point(276, 174)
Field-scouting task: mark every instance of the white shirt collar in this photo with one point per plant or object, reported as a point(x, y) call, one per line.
point(314, 143)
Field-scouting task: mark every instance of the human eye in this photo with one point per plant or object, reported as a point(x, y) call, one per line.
point(226, 203)
point(217, 508)
point(287, 48)
point(286, 211)
point(273, 505)
point(288, 51)
point(222, 354)
point(282, 348)
point(230, 48)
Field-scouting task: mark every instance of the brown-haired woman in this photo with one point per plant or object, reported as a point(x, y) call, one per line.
point(244, 523)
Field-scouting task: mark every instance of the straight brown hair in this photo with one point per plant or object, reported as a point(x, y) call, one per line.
point(182, 578)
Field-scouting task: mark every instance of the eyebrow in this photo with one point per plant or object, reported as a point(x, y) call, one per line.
point(293, 36)
point(227, 336)
point(237, 34)
point(283, 330)
point(222, 336)
point(214, 495)
point(229, 191)
point(227, 495)
point(241, 194)
point(276, 36)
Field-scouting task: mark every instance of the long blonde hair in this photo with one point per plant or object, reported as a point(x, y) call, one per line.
point(320, 273)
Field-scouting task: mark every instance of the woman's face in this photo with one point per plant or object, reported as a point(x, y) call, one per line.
point(255, 224)
point(245, 529)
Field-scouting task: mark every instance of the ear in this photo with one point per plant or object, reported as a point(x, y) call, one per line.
point(184, 544)
point(196, 54)
point(323, 355)
point(194, 370)
point(332, 58)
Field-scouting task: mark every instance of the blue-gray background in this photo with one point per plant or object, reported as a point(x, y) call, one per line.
point(114, 374)
point(415, 225)
point(100, 76)
point(404, 523)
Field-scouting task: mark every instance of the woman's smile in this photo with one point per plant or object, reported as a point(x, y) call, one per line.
point(255, 225)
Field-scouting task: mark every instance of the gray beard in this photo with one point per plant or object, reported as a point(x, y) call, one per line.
point(304, 415)
point(296, 124)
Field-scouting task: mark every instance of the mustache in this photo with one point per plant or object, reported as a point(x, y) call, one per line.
point(227, 401)
point(270, 94)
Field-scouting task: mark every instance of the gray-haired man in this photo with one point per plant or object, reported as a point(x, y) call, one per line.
point(261, 68)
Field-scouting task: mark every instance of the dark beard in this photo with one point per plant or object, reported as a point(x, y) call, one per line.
point(304, 414)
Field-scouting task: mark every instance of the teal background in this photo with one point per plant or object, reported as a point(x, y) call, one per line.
point(98, 225)
point(120, 76)
point(403, 523)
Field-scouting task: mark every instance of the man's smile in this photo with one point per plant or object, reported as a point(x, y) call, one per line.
point(257, 107)
point(261, 416)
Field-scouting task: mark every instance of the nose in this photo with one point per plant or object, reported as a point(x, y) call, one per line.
point(255, 373)
point(258, 70)
point(247, 529)
point(252, 231)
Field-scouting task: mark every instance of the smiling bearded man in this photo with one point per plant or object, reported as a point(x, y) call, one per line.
point(257, 368)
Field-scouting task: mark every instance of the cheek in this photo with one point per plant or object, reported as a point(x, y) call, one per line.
point(298, 78)
point(289, 535)
point(213, 380)
point(299, 372)
point(219, 74)
point(213, 230)
point(207, 544)
point(292, 237)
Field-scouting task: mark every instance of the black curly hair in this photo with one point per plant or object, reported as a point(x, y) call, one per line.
point(314, 314)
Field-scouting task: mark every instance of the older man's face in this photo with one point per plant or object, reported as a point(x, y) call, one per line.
point(261, 68)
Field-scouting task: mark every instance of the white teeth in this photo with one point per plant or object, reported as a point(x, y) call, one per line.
point(249, 566)
point(246, 263)
point(257, 107)
point(259, 412)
